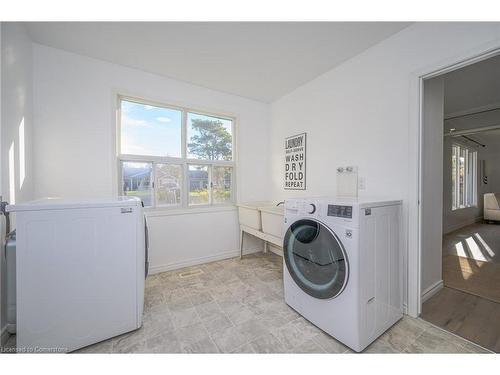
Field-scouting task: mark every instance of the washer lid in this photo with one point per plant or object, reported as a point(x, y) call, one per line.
point(61, 204)
point(315, 258)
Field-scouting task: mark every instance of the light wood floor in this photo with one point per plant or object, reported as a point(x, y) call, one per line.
point(472, 276)
point(478, 241)
point(469, 305)
point(474, 318)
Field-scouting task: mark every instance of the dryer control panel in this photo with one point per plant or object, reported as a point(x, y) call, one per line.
point(339, 211)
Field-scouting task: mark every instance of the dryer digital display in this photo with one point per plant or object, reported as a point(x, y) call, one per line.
point(340, 211)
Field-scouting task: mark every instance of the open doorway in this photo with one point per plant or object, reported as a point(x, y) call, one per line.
point(460, 276)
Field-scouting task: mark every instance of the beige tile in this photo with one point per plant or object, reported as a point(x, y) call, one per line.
point(307, 328)
point(174, 295)
point(218, 324)
point(191, 334)
point(134, 339)
point(308, 347)
point(290, 335)
point(252, 328)
point(244, 349)
point(399, 336)
point(133, 342)
point(160, 309)
point(273, 320)
point(155, 323)
point(382, 345)
point(229, 339)
point(240, 313)
point(163, 343)
point(434, 340)
point(152, 281)
point(180, 304)
point(329, 344)
point(209, 311)
point(151, 300)
point(267, 344)
point(184, 317)
point(202, 346)
point(199, 298)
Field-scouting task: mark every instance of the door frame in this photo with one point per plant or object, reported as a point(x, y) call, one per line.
point(417, 78)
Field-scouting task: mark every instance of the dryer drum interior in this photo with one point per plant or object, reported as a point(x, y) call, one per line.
point(315, 259)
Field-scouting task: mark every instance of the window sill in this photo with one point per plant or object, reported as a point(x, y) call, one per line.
point(158, 212)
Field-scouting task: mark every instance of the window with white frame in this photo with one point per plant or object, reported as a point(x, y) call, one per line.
point(463, 177)
point(174, 157)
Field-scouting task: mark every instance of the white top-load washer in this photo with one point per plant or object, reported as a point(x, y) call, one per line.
point(80, 271)
point(343, 266)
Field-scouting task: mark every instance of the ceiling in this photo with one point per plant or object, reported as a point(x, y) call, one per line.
point(488, 138)
point(257, 60)
point(474, 86)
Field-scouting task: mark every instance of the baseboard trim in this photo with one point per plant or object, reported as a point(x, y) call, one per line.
point(195, 261)
point(463, 224)
point(432, 290)
point(4, 335)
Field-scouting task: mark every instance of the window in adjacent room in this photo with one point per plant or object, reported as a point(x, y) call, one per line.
point(463, 177)
point(175, 157)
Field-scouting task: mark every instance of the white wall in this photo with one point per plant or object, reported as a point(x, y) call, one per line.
point(75, 157)
point(432, 186)
point(359, 112)
point(17, 103)
point(16, 110)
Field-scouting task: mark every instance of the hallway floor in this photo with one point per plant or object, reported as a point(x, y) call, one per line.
point(469, 304)
point(474, 318)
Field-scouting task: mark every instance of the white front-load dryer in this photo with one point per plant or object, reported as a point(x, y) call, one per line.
point(342, 266)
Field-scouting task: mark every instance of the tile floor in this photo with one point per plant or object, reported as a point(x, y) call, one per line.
point(237, 306)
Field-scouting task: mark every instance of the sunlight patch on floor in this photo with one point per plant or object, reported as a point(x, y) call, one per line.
point(485, 245)
point(476, 252)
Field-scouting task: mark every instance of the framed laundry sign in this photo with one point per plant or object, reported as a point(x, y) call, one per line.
point(295, 162)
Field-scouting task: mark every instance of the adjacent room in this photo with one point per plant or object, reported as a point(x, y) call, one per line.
point(250, 187)
point(469, 303)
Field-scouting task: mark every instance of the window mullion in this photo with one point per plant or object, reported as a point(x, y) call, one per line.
point(467, 181)
point(210, 185)
point(153, 184)
point(185, 193)
point(455, 184)
point(467, 178)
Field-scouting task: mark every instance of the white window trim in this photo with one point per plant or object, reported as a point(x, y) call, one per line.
point(474, 203)
point(184, 206)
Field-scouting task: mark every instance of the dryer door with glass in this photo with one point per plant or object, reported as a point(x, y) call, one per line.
point(315, 258)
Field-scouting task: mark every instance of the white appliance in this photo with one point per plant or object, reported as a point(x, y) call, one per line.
point(10, 260)
point(80, 270)
point(343, 266)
